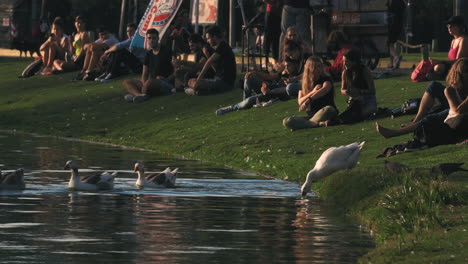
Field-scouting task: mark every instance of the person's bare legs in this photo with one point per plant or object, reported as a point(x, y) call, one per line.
point(388, 132)
point(425, 106)
point(87, 60)
point(133, 87)
point(96, 54)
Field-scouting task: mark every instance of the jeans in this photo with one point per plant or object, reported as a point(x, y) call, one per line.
point(293, 89)
point(251, 84)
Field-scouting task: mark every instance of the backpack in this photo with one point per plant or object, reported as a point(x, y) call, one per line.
point(32, 68)
point(409, 107)
point(420, 72)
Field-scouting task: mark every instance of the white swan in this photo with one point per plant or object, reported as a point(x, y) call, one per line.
point(13, 180)
point(166, 178)
point(104, 181)
point(332, 160)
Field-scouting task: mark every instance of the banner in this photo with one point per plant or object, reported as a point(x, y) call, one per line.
point(158, 15)
point(207, 11)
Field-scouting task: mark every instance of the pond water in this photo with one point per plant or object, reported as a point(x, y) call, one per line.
point(215, 215)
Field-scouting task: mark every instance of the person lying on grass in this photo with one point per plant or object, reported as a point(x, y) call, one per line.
point(316, 97)
point(449, 126)
point(157, 76)
point(223, 62)
point(271, 91)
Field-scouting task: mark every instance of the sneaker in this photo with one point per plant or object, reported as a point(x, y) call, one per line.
point(140, 98)
point(224, 110)
point(190, 91)
point(102, 76)
point(109, 77)
point(129, 97)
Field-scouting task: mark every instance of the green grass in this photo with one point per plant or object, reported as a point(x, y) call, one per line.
point(434, 225)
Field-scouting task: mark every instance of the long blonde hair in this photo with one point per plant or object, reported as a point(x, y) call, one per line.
point(455, 75)
point(313, 69)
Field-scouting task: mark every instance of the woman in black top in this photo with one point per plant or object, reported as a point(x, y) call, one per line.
point(316, 97)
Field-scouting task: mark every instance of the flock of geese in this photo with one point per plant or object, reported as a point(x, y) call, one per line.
point(333, 159)
point(104, 181)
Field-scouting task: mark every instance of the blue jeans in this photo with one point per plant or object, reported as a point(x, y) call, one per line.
point(251, 84)
point(293, 89)
point(247, 103)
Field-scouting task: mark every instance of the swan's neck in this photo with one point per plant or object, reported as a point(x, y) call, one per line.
point(141, 177)
point(74, 179)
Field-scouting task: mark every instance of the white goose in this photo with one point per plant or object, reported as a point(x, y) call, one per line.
point(332, 160)
point(165, 179)
point(104, 181)
point(13, 180)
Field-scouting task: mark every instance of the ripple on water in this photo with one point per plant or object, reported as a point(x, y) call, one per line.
point(19, 225)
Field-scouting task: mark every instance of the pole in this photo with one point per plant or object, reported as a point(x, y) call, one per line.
point(122, 19)
point(197, 13)
point(232, 21)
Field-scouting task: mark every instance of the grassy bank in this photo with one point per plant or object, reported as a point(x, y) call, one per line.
point(415, 217)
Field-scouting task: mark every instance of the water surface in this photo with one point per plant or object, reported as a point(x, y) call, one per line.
point(215, 215)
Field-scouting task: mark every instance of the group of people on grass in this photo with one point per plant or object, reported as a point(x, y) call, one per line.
point(299, 75)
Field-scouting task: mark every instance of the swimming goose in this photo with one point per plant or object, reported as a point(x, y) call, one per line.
point(332, 160)
point(13, 180)
point(104, 181)
point(159, 180)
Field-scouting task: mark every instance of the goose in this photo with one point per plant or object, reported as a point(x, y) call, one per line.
point(104, 181)
point(13, 180)
point(332, 160)
point(166, 178)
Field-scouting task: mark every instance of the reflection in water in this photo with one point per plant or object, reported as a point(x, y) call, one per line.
point(213, 216)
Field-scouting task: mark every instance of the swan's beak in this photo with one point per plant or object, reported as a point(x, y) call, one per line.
point(66, 167)
point(304, 192)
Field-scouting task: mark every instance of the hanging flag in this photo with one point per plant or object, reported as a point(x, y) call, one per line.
point(158, 15)
point(207, 11)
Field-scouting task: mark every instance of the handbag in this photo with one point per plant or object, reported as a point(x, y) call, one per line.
point(420, 72)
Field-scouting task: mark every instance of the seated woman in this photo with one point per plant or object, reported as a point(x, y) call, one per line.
point(80, 39)
point(316, 97)
point(357, 83)
point(448, 126)
point(458, 48)
point(253, 80)
point(337, 41)
point(57, 46)
point(271, 90)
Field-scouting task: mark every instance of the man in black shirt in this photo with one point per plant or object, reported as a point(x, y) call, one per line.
point(186, 70)
point(157, 77)
point(222, 61)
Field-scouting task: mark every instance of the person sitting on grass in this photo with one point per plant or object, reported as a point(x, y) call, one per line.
point(80, 39)
point(119, 54)
point(94, 51)
point(271, 90)
point(458, 48)
point(358, 85)
point(316, 97)
point(253, 80)
point(224, 64)
point(448, 126)
point(157, 75)
point(186, 70)
point(337, 41)
point(57, 46)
